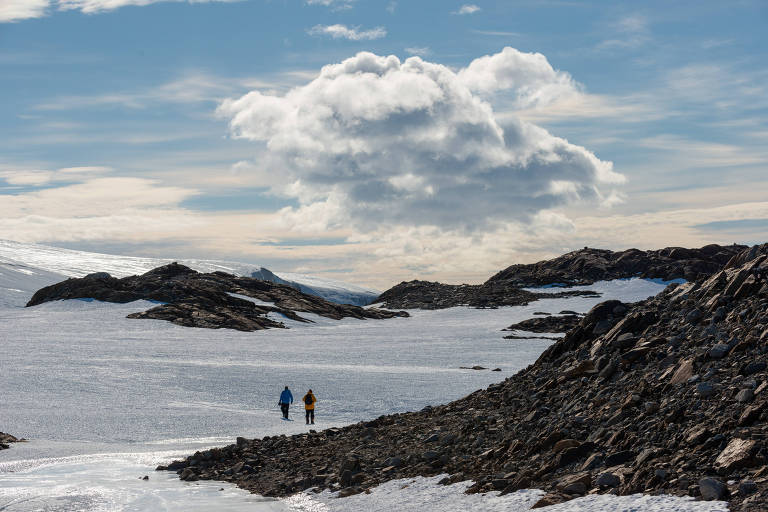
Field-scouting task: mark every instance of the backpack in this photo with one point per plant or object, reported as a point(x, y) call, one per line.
point(308, 399)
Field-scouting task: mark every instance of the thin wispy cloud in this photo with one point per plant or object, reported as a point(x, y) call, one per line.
point(339, 31)
point(336, 5)
point(467, 9)
point(501, 33)
point(421, 51)
point(628, 32)
point(17, 10)
point(190, 88)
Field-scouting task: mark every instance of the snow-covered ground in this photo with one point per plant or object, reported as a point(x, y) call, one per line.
point(53, 264)
point(104, 399)
point(420, 494)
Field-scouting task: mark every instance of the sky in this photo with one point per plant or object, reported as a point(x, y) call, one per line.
point(381, 141)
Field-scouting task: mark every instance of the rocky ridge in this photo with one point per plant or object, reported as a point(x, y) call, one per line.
point(582, 267)
point(585, 266)
point(663, 396)
point(194, 299)
point(433, 295)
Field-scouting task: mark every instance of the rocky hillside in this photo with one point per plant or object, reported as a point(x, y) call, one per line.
point(587, 265)
point(194, 299)
point(667, 395)
point(581, 267)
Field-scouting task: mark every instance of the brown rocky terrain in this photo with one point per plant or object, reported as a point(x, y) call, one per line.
point(663, 396)
point(194, 299)
point(582, 267)
point(7, 439)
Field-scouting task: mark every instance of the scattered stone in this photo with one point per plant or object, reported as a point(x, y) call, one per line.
point(608, 480)
point(704, 389)
point(747, 487)
point(712, 489)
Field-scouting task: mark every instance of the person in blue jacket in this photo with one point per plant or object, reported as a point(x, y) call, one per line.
point(286, 399)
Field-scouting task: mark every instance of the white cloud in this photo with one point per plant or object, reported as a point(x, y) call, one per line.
point(339, 31)
point(421, 51)
point(17, 10)
point(468, 9)
point(528, 75)
point(375, 141)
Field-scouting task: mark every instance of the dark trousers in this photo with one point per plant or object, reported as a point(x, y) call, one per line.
point(310, 414)
point(284, 408)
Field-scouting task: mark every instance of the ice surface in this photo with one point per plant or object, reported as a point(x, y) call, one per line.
point(103, 398)
point(420, 494)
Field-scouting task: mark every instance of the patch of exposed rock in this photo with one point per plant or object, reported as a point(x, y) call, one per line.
point(432, 295)
point(7, 439)
point(585, 266)
point(666, 396)
point(194, 299)
point(552, 323)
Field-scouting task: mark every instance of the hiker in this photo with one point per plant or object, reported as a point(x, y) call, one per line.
point(286, 399)
point(309, 406)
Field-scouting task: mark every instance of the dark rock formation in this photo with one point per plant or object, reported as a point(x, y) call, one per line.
point(613, 407)
point(430, 295)
point(553, 323)
point(581, 267)
point(6, 439)
point(193, 299)
point(585, 266)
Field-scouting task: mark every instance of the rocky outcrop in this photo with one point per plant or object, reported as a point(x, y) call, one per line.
point(7, 439)
point(582, 267)
point(664, 396)
point(431, 295)
point(585, 266)
point(549, 323)
point(194, 299)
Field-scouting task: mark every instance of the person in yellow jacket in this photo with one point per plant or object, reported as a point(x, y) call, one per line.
point(309, 406)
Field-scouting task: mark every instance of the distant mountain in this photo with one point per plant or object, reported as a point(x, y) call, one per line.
point(25, 268)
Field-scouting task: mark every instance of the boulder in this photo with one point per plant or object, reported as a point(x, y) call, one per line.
point(712, 489)
point(737, 454)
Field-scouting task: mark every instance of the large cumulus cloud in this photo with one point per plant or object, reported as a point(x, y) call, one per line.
point(377, 141)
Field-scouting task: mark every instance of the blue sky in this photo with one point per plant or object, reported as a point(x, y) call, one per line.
point(127, 128)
